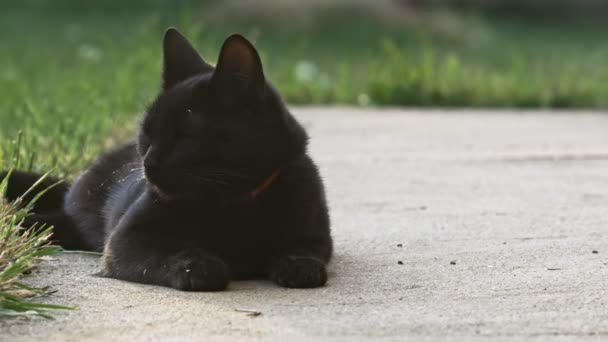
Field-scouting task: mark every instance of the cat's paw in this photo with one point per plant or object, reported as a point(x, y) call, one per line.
point(197, 271)
point(298, 272)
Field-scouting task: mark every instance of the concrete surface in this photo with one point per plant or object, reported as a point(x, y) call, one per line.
point(493, 216)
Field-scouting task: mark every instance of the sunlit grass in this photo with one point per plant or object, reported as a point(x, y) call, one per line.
point(75, 82)
point(20, 249)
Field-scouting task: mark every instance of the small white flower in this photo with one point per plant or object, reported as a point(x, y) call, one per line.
point(363, 100)
point(90, 53)
point(306, 71)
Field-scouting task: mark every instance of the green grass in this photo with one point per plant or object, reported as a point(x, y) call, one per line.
point(74, 82)
point(20, 249)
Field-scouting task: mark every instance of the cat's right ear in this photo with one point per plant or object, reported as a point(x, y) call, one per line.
point(181, 60)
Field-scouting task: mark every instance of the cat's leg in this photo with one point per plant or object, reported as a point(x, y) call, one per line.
point(302, 264)
point(190, 269)
point(145, 248)
point(305, 245)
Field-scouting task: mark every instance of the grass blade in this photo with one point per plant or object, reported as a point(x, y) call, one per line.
point(20, 249)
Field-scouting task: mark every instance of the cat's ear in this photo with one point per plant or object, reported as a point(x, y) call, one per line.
point(239, 69)
point(181, 61)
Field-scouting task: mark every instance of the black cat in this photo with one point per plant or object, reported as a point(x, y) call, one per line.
point(218, 186)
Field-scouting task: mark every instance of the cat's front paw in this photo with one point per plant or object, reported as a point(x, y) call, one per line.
point(198, 271)
point(298, 272)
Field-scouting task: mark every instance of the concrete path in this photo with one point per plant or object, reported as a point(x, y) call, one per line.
point(449, 225)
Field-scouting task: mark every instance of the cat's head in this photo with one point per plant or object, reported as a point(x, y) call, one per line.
point(215, 130)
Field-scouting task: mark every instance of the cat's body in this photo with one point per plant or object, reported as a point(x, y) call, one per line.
point(217, 187)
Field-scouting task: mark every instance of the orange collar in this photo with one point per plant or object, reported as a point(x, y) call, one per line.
point(265, 185)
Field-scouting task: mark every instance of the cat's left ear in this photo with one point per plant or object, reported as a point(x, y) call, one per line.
point(181, 60)
point(239, 69)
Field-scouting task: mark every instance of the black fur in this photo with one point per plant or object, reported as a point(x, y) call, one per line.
point(176, 207)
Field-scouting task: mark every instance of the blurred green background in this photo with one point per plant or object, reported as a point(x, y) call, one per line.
point(75, 75)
